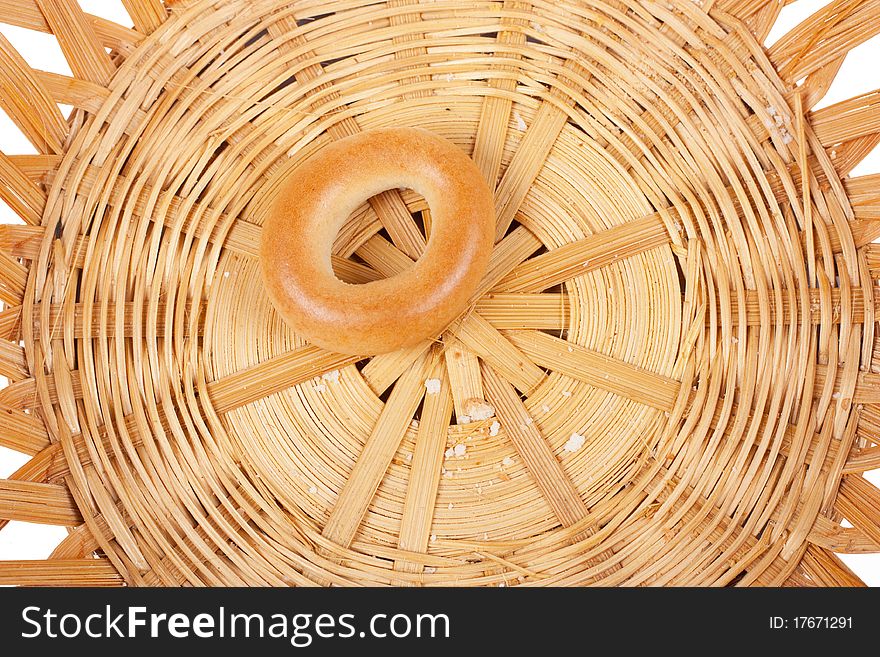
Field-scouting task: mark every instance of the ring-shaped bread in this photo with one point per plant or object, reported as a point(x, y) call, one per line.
point(317, 197)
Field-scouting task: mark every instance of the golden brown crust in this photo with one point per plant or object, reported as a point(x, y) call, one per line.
point(318, 196)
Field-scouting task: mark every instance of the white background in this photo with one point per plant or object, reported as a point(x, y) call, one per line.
point(860, 73)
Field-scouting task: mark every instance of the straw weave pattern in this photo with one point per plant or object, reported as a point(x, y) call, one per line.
point(676, 334)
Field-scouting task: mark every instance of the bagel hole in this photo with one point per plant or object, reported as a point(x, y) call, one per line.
point(377, 255)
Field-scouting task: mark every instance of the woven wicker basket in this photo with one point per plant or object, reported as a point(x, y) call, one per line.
point(676, 334)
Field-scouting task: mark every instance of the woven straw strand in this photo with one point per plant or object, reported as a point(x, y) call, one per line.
point(673, 350)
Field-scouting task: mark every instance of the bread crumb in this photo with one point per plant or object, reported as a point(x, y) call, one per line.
point(506, 461)
point(575, 442)
point(460, 450)
point(463, 419)
point(449, 453)
point(494, 428)
point(407, 457)
point(566, 393)
point(320, 387)
point(430, 570)
point(520, 124)
point(332, 376)
point(433, 537)
point(478, 409)
point(450, 506)
point(432, 386)
point(545, 408)
point(314, 489)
